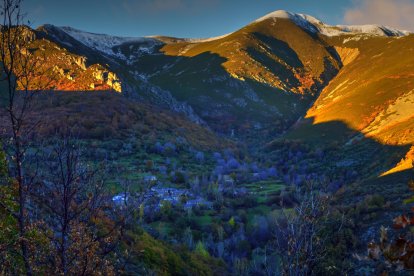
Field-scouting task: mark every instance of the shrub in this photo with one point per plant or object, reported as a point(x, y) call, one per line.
point(178, 177)
point(200, 156)
point(232, 222)
point(169, 148)
point(272, 172)
point(201, 250)
point(149, 165)
point(158, 148)
point(233, 164)
point(217, 155)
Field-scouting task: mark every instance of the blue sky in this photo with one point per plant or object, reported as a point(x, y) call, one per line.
point(206, 18)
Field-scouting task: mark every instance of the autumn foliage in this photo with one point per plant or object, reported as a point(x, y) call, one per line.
point(397, 253)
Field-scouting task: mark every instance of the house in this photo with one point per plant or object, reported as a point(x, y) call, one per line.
point(170, 194)
point(198, 202)
point(150, 178)
point(228, 180)
point(156, 196)
point(120, 199)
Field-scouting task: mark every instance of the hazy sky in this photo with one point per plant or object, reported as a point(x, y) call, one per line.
point(206, 18)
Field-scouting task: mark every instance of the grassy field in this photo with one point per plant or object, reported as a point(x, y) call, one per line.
point(264, 189)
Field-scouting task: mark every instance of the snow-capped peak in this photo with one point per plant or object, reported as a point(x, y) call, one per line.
point(315, 25)
point(372, 29)
point(290, 15)
point(102, 42)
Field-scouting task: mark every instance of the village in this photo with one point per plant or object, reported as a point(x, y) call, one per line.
point(160, 194)
point(157, 195)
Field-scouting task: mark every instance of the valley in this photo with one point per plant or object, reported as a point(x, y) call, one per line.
point(211, 148)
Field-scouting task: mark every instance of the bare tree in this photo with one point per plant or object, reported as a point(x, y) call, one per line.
point(17, 70)
point(23, 73)
point(72, 191)
point(85, 225)
point(299, 233)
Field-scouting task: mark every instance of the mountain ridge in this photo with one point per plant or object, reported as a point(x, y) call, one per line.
point(303, 20)
point(317, 26)
point(330, 106)
point(263, 77)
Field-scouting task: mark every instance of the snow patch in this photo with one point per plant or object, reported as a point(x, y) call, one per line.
point(102, 42)
point(315, 25)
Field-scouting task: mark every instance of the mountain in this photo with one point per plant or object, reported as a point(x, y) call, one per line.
point(372, 94)
point(238, 123)
point(263, 83)
point(316, 26)
point(262, 79)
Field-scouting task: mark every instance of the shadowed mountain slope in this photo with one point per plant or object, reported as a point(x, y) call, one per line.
point(372, 94)
point(258, 82)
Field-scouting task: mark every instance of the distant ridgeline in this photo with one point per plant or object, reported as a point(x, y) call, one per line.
point(278, 77)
